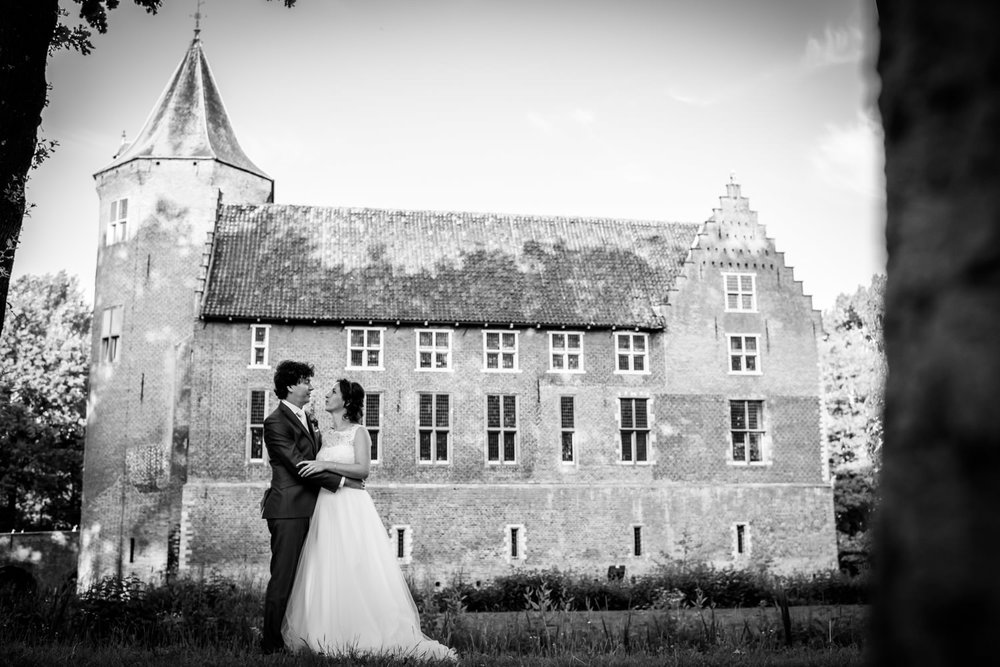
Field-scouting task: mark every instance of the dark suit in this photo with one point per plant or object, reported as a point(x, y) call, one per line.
point(287, 505)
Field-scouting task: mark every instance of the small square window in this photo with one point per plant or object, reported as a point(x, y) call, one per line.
point(631, 353)
point(364, 348)
point(500, 350)
point(566, 352)
point(433, 350)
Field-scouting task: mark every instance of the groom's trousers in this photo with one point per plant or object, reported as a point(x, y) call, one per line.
point(287, 536)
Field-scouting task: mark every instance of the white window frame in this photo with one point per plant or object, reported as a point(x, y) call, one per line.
point(765, 440)
point(648, 430)
point(739, 292)
point(502, 429)
point(374, 426)
point(629, 352)
point(515, 543)
point(407, 534)
point(434, 428)
point(500, 351)
point(636, 531)
point(743, 356)
point(117, 230)
point(365, 348)
point(256, 345)
point(433, 350)
point(569, 429)
point(737, 554)
point(251, 425)
point(111, 334)
point(565, 352)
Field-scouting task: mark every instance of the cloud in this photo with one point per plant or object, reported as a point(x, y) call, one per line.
point(836, 47)
point(852, 157)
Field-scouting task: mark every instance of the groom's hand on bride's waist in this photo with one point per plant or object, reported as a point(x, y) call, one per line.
point(352, 483)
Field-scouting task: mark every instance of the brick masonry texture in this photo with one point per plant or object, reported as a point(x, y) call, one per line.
point(169, 485)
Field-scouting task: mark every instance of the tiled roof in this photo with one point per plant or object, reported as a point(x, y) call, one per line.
point(277, 262)
point(189, 120)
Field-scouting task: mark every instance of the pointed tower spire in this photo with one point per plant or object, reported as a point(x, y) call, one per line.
point(189, 120)
point(197, 20)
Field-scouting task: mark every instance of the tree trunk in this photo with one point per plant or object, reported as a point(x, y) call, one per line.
point(938, 593)
point(26, 30)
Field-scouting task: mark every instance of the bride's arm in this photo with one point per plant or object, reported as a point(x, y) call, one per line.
point(358, 470)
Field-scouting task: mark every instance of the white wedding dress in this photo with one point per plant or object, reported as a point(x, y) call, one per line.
point(349, 594)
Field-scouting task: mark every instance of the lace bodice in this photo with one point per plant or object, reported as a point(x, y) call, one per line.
point(338, 446)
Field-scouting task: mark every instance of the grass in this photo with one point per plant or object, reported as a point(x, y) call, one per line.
point(54, 655)
point(216, 622)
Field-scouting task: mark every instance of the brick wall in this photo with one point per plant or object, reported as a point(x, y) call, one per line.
point(688, 497)
point(132, 443)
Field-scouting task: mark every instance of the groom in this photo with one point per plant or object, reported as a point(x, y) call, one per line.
point(288, 503)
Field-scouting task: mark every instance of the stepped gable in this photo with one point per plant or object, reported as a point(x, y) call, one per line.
point(314, 264)
point(188, 121)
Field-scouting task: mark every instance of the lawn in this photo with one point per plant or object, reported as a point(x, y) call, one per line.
point(821, 636)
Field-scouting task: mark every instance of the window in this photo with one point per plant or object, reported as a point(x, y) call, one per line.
point(434, 350)
point(373, 422)
point(501, 428)
point(741, 291)
point(747, 431)
point(634, 430)
point(117, 222)
point(741, 539)
point(259, 335)
point(364, 348)
point(636, 540)
point(567, 420)
point(500, 350)
point(402, 542)
point(743, 354)
point(433, 427)
point(256, 411)
point(516, 542)
point(566, 352)
point(631, 350)
point(111, 332)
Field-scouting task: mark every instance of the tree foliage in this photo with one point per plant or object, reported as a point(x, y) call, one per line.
point(853, 375)
point(44, 353)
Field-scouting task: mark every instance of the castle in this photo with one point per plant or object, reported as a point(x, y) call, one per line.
point(542, 391)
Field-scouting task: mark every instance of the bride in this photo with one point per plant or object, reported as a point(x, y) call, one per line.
point(349, 593)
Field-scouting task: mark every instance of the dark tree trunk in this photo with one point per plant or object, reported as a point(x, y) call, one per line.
point(26, 29)
point(937, 592)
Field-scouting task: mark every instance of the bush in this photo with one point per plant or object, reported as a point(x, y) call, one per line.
point(670, 585)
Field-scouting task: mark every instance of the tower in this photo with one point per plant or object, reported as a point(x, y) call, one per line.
point(158, 200)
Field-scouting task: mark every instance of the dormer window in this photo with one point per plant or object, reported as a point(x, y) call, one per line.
point(117, 222)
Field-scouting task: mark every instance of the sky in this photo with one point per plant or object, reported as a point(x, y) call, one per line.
point(639, 109)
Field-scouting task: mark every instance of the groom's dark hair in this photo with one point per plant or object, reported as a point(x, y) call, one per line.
point(288, 374)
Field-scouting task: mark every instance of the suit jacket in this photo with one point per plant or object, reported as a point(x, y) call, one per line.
point(288, 442)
